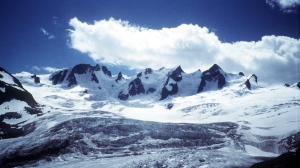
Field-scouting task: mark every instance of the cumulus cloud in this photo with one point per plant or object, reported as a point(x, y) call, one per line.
point(191, 46)
point(50, 36)
point(284, 5)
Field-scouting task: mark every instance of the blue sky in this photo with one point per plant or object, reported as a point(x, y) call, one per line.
point(39, 34)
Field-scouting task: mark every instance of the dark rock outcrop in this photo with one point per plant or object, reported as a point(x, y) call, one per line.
point(241, 74)
point(60, 76)
point(123, 96)
point(148, 71)
point(286, 160)
point(14, 91)
point(120, 77)
point(136, 87)
point(213, 74)
point(36, 79)
point(247, 82)
point(150, 90)
point(287, 85)
point(298, 85)
point(106, 71)
point(176, 76)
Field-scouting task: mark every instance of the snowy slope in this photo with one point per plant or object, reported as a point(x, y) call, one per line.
point(87, 126)
point(17, 105)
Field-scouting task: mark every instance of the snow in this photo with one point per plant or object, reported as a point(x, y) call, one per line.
point(11, 106)
point(253, 151)
point(2, 89)
point(7, 78)
point(264, 115)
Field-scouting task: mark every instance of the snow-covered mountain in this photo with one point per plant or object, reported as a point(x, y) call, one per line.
point(158, 118)
point(16, 105)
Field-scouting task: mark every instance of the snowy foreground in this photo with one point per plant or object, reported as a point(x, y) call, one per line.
point(232, 127)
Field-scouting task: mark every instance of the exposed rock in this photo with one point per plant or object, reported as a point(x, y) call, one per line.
point(106, 71)
point(176, 74)
point(288, 160)
point(171, 88)
point(170, 105)
point(120, 77)
point(36, 79)
point(247, 82)
point(60, 76)
point(122, 96)
point(241, 74)
point(287, 85)
point(150, 90)
point(248, 85)
point(11, 91)
point(298, 85)
point(136, 87)
point(148, 71)
point(15, 91)
point(213, 74)
point(139, 75)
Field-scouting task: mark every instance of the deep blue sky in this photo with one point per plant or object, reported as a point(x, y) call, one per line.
point(23, 45)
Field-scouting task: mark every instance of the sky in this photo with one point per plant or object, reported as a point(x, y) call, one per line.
point(251, 36)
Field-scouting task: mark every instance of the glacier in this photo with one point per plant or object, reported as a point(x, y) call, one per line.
point(83, 122)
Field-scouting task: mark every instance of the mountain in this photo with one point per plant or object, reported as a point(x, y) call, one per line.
point(17, 104)
point(159, 83)
point(157, 118)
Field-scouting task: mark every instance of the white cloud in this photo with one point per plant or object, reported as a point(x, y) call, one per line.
point(35, 68)
point(50, 36)
point(50, 69)
point(284, 5)
point(193, 47)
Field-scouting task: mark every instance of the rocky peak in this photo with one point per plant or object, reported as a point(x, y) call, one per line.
point(120, 77)
point(213, 74)
point(170, 86)
point(106, 71)
point(148, 71)
point(13, 90)
point(176, 74)
point(61, 76)
point(248, 83)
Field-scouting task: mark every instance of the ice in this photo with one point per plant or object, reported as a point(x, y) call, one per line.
point(263, 116)
point(253, 151)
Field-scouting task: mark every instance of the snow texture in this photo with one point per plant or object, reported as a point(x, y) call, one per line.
point(84, 126)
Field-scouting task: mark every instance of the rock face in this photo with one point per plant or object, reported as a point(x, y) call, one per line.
point(136, 87)
point(120, 77)
point(214, 74)
point(298, 85)
point(248, 83)
point(11, 88)
point(289, 159)
point(69, 75)
point(170, 87)
point(36, 79)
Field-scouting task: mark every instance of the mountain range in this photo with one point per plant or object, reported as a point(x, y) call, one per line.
point(85, 116)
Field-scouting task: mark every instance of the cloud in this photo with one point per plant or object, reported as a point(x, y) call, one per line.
point(35, 68)
point(50, 36)
point(118, 42)
point(284, 5)
point(50, 69)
